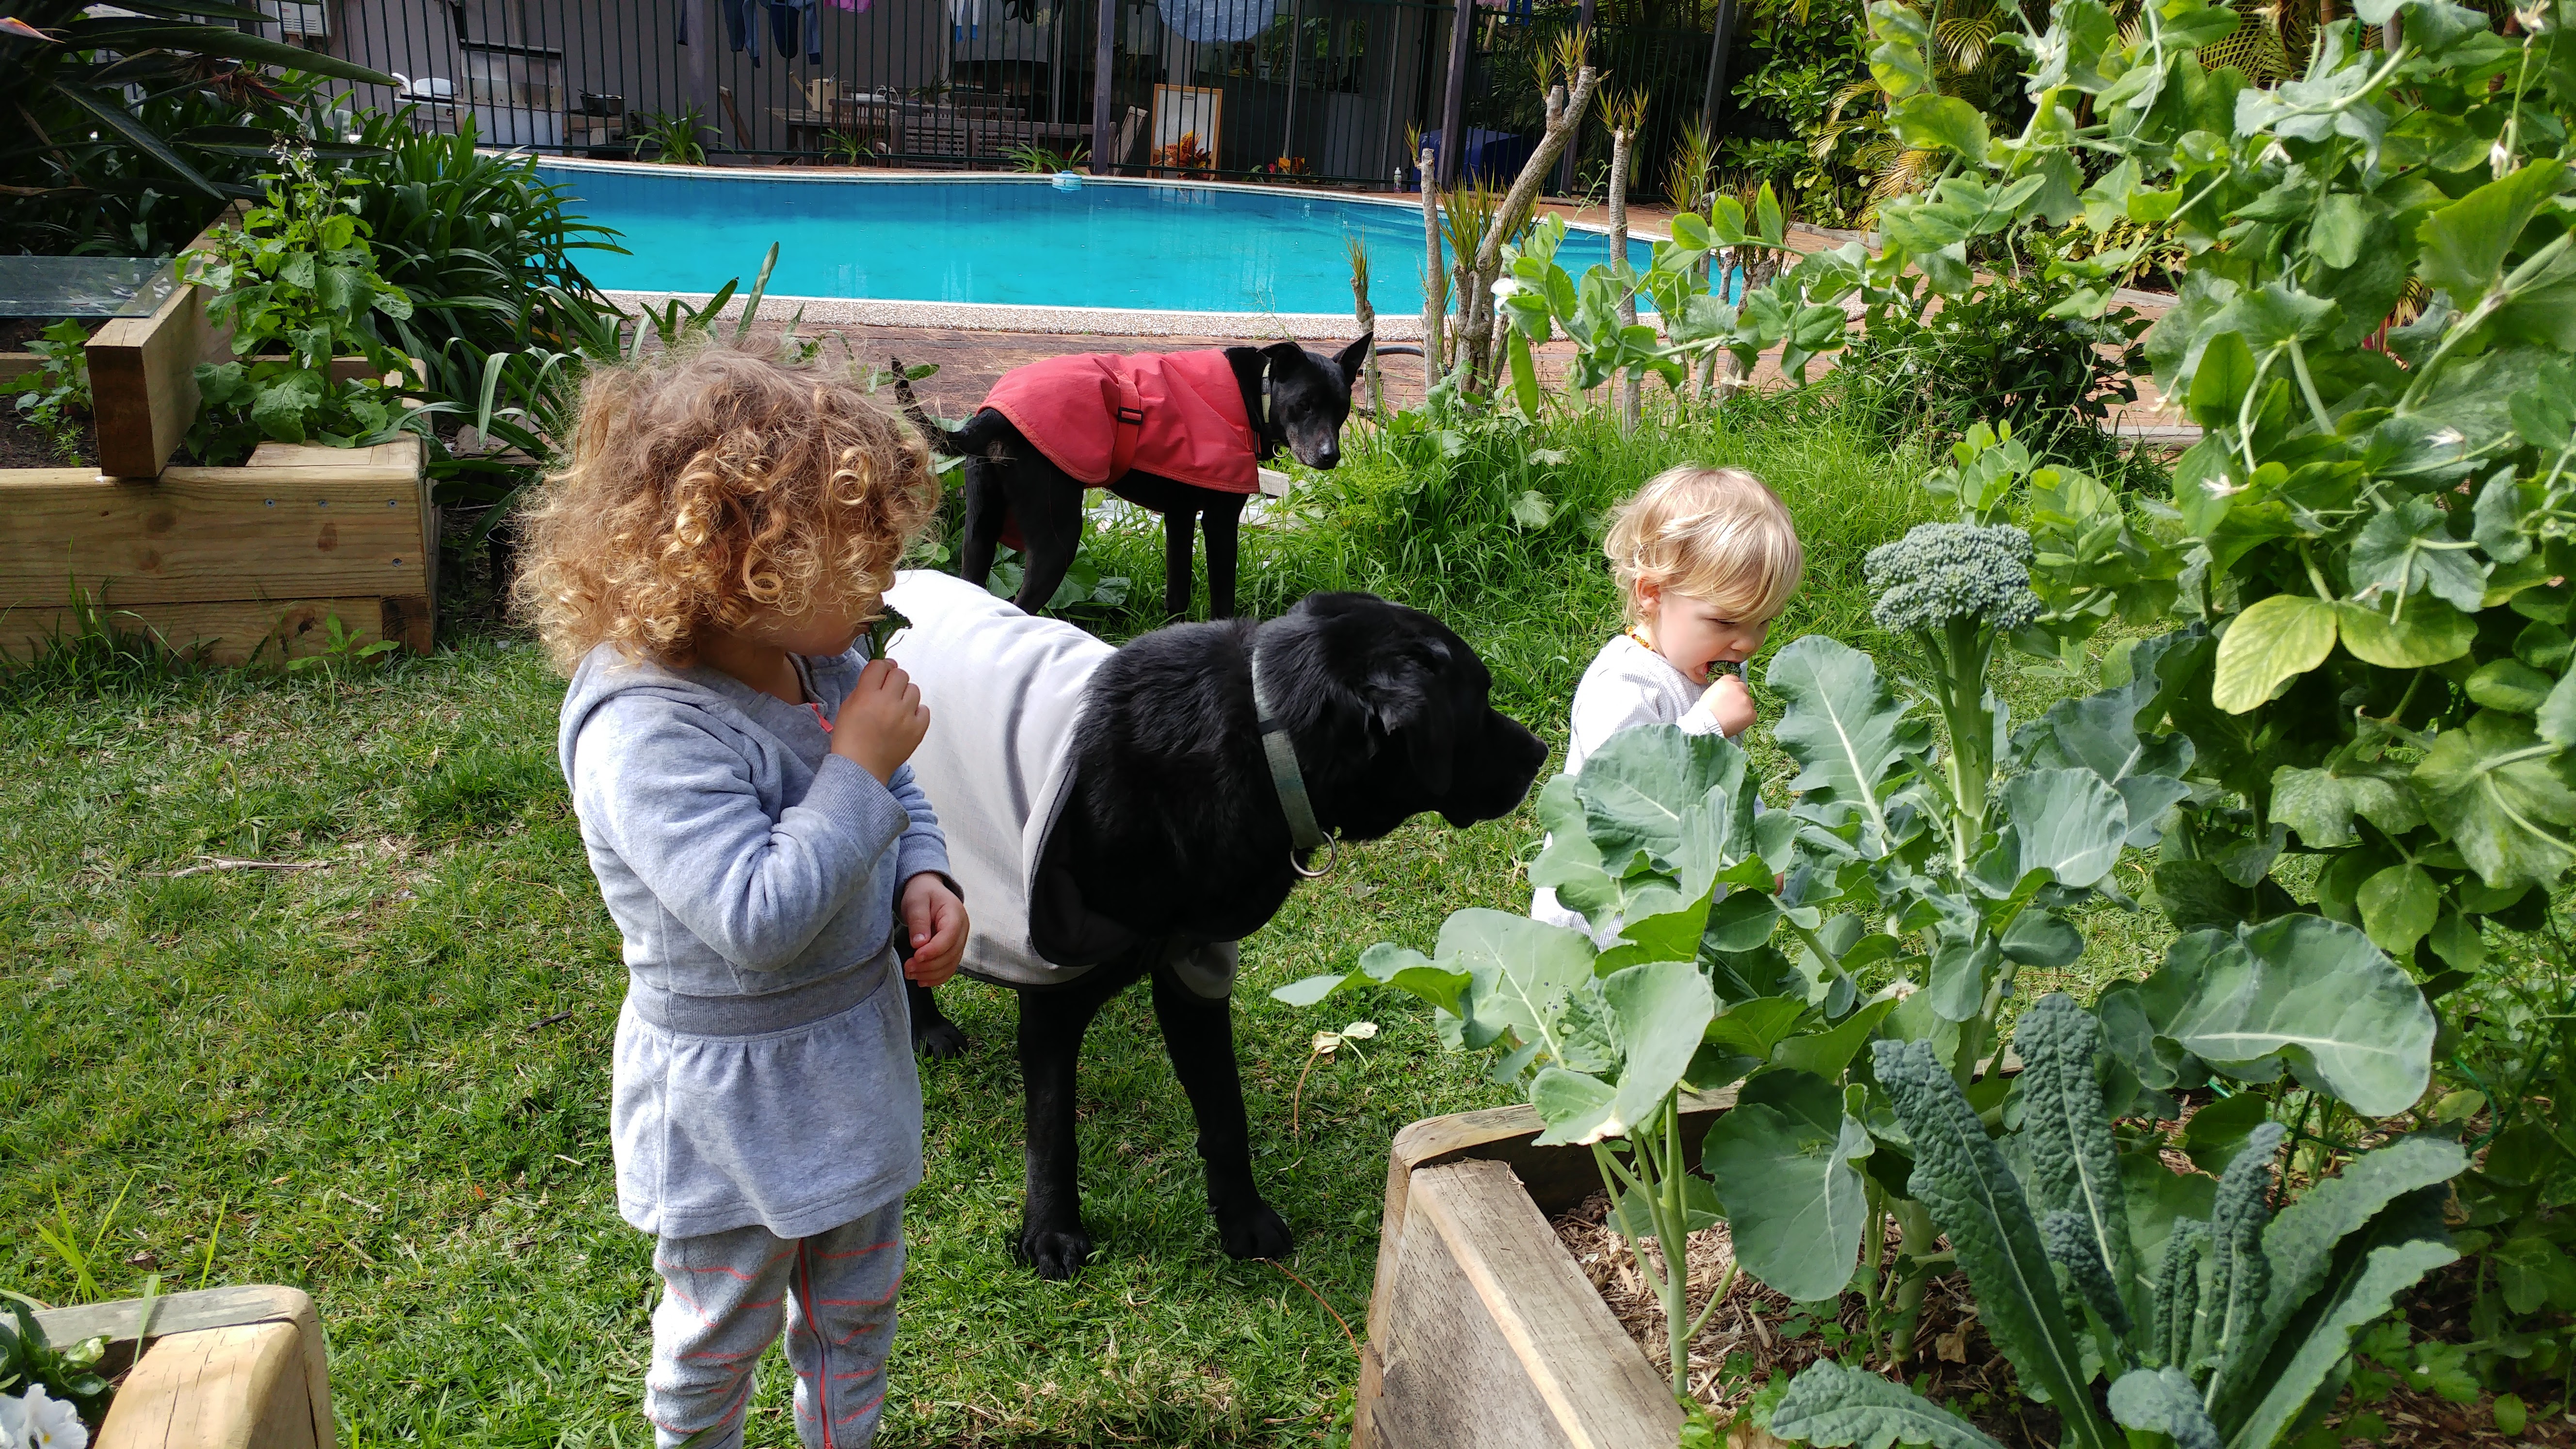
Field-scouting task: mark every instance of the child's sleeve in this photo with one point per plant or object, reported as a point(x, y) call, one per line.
point(675, 801)
point(922, 846)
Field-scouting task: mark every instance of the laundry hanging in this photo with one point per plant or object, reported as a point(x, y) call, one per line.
point(965, 18)
point(788, 19)
point(1218, 22)
point(740, 25)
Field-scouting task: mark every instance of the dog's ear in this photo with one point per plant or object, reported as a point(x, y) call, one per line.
point(1282, 356)
point(1350, 358)
point(1405, 700)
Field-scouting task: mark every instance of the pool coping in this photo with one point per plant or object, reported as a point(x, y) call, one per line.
point(1033, 317)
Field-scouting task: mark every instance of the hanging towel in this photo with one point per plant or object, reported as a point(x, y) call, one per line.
point(966, 18)
point(1097, 414)
point(1005, 691)
point(1219, 22)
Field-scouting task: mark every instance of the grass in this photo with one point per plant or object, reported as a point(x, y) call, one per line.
point(385, 1078)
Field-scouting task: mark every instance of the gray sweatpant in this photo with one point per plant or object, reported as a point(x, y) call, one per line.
point(723, 1297)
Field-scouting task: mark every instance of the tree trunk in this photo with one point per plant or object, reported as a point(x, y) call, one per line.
point(1366, 316)
point(1431, 289)
point(1628, 384)
point(1564, 109)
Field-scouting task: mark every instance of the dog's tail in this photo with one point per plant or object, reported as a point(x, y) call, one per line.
point(942, 440)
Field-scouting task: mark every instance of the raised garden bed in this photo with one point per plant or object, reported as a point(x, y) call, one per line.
point(1483, 1331)
point(222, 1368)
point(234, 564)
point(237, 562)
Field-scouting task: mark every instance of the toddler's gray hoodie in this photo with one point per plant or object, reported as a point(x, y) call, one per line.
point(763, 1065)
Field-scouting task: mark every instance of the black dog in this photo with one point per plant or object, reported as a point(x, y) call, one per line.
point(1172, 834)
point(1292, 397)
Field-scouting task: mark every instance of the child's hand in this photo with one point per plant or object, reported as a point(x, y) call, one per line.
point(1730, 704)
point(937, 921)
point(882, 721)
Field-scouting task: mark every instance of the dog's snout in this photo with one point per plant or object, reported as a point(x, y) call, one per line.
point(1328, 457)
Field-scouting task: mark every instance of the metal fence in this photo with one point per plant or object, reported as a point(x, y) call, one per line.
point(1328, 91)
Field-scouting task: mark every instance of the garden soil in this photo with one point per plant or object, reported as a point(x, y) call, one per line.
point(22, 446)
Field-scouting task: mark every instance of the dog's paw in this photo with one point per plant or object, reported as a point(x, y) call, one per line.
point(1256, 1232)
point(1056, 1253)
point(938, 1040)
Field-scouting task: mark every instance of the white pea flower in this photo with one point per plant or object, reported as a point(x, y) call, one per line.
point(52, 1423)
point(13, 1422)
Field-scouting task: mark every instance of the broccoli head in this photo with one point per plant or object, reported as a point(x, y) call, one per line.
point(1943, 571)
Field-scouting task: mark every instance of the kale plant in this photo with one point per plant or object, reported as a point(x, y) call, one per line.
point(2218, 1323)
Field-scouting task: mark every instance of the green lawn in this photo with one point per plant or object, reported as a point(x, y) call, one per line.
point(385, 1078)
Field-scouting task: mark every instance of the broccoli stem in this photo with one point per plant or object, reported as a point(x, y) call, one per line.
point(1962, 649)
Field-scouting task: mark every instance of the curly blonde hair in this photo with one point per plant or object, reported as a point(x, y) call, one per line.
point(709, 485)
point(1718, 534)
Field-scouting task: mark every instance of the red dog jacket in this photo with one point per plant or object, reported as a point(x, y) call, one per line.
point(1097, 414)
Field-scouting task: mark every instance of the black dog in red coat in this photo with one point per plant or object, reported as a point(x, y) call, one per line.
point(1179, 433)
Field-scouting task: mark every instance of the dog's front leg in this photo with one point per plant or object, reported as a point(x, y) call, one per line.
point(1199, 1035)
point(1224, 514)
point(1179, 521)
point(1052, 1023)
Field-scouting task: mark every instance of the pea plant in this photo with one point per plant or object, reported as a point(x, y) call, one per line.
point(296, 285)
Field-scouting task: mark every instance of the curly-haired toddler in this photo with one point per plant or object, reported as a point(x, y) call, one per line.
point(1706, 558)
point(704, 567)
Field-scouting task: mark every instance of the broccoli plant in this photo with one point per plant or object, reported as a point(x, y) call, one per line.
point(2217, 1323)
point(1604, 1041)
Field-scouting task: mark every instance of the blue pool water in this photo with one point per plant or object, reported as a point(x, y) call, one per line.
point(1161, 247)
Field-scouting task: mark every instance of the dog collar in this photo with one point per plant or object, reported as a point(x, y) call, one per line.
point(1288, 780)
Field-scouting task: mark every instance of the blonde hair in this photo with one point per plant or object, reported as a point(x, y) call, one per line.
point(1708, 533)
point(709, 485)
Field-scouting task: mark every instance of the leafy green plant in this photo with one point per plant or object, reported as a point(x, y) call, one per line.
point(675, 140)
point(2371, 669)
point(28, 1361)
point(2005, 355)
point(341, 650)
point(487, 249)
point(54, 398)
point(2217, 1321)
point(1029, 156)
point(1603, 1042)
point(848, 148)
point(296, 275)
point(130, 129)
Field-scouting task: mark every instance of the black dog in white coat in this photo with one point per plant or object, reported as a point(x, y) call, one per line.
point(1114, 815)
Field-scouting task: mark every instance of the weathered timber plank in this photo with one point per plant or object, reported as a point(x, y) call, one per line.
point(129, 1322)
point(230, 631)
point(1497, 1339)
point(216, 1388)
point(206, 534)
point(143, 373)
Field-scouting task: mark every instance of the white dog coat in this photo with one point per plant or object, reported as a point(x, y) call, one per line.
point(1004, 691)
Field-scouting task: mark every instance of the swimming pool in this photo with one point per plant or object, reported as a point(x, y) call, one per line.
point(1014, 241)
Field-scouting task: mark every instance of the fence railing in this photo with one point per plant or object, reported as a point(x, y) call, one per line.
point(1328, 91)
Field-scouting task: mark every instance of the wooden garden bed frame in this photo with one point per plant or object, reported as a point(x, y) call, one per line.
point(1483, 1332)
point(241, 563)
point(221, 1368)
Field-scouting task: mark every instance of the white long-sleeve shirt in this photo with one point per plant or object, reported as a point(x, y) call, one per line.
point(1627, 685)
